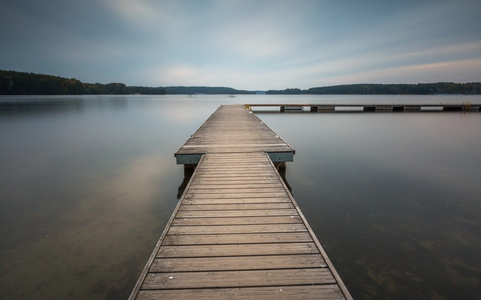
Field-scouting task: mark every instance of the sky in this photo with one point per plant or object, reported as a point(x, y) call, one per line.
point(245, 44)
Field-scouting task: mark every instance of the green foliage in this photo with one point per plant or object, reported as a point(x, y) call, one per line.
point(286, 92)
point(204, 90)
point(19, 83)
point(473, 88)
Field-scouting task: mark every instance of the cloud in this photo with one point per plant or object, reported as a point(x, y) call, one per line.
point(463, 70)
point(243, 44)
point(139, 12)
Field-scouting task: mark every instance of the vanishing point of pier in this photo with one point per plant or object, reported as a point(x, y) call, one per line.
point(237, 232)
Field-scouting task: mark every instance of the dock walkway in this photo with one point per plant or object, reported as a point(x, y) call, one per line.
point(237, 232)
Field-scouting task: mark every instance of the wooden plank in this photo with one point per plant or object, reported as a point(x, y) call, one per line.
point(305, 292)
point(222, 165)
point(233, 173)
point(235, 213)
point(234, 180)
point(225, 163)
point(239, 157)
point(237, 250)
point(249, 238)
point(235, 170)
point(255, 206)
point(234, 229)
point(234, 161)
point(230, 149)
point(273, 262)
point(235, 187)
point(234, 196)
point(237, 190)
point(234, 177)
point(237, 221)
point(238, 278)
point(235, 200)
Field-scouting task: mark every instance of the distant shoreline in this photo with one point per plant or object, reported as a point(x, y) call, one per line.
point(22, 83)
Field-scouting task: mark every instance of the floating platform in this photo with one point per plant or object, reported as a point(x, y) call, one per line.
point(237, 232)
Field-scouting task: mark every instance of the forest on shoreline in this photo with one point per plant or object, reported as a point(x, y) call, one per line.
point(472, 88)
point(22, 83)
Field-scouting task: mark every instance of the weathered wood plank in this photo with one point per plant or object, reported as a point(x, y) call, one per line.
point(249, 238)
point(235, 200)
point(234, 229)
point(235, 187)
point(190, 195)
point(235, 191)
point(248, 206)
point(231, 148)
point(234, 177)
point(234, 180)
point(237, 250)
point(237, 221)
point(238, 278)
point(240, 167)
point(235, 213)
point(232, 173)
point(235, 158)
point(216, 165)
point(305, 292)
point(225, 163)
point(166, 265)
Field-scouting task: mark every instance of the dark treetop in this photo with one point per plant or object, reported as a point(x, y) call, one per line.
point(473, 88)
point(21, 83)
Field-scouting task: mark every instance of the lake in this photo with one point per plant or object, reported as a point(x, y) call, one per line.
point(88, 183)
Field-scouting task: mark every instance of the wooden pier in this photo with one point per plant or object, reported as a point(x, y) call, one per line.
point(237, 232)
point(464, 107)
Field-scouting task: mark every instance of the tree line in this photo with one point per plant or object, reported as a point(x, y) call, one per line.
point(472, 88)
point(204, 90)
point(21, 83)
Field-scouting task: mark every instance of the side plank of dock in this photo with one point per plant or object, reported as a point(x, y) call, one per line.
point(237, 232)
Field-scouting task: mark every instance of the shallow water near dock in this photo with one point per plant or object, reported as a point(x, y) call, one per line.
point(89, 182)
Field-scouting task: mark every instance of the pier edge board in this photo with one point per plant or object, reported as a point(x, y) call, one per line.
point(316, 241)
point(145, 271)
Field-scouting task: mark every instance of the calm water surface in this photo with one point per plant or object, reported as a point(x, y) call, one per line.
point(88, 183)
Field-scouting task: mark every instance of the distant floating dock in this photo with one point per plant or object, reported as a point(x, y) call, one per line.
point(466, 107)
point(237, 232)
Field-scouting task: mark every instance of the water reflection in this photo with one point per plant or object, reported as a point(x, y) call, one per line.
point(39, 107)
point(395, 206)
point(88, 183)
